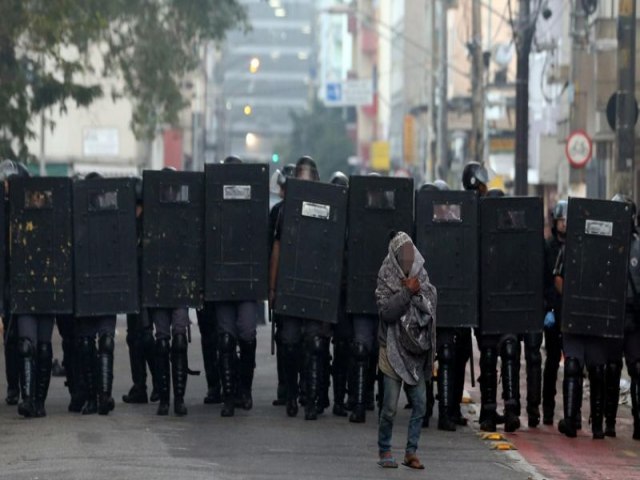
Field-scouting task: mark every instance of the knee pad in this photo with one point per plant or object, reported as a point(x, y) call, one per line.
point(179, 344)
point(106, 344)
point(634, 369)
point(572, 367)
point(359, 351)
point(510, 349)
point(446, 353)
point(86, 344)
point(162, 346)
point(227, 343)
point(614, 367)
point(25, 347)
point(533, 340)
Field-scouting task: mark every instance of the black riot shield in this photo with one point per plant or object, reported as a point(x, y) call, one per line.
point(447, 237)
point(595, 267)
point(511, 267)
point(236, 233)
point(377, 206)
point(173, 239)
point(41, 261)
point(105, 257)
point(311, 251)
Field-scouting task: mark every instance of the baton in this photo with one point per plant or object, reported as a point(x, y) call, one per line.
point(471, 368)
point(273, 332)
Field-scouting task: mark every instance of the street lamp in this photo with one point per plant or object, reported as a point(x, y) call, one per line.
point(254, 65)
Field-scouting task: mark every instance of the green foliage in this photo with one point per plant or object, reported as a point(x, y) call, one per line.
point(320, 133)
point(150, 44)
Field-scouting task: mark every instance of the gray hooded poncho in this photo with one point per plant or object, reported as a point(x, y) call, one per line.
point(407, 322)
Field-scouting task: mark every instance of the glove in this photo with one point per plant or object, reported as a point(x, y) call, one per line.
point(549, 319)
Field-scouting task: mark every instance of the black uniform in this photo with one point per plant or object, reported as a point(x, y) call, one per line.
point(552, 334)
point(281, 393)
point(632, 336)
point(209, 341)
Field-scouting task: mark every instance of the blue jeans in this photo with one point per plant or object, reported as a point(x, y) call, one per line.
point(417, 395)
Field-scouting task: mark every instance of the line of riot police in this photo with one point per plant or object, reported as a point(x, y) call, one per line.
point(83, 251)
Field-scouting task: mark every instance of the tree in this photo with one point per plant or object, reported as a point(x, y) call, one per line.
point(322, 134)
point(45, 60)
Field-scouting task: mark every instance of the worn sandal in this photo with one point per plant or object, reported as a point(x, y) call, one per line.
point(411, 460)
point(387, 460)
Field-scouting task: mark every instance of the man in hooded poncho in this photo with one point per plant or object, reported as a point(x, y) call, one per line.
point(407, 307)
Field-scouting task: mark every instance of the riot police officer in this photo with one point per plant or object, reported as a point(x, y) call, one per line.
point(280, 185)
point(631, 341)
point(9, 168)
point(304, 341)
point(553, 307)
point(476, 177)
point(582, 350)
point(342, 335)
point(236, 328)
point(140, 330)
point(453, 352)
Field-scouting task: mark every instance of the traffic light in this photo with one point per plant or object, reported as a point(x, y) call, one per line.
point(275, 158)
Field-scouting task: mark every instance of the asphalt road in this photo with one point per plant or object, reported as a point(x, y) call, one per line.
point(133, 443)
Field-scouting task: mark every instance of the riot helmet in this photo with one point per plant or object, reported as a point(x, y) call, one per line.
point(93, 176)
point(9, 168)
point(475, 177)
point(441, 185)
point(494, 193)
point(232, 159)
point(429, 187)
point(169, 169)
point(279, 178)
point(339, 178)
point(621, 197)
point(559, 217)
point(306, 169)
point(373, 174)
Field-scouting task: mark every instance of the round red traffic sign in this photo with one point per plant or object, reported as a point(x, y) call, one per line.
point(579, 149)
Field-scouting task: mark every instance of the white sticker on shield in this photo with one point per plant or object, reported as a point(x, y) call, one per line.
point(316, 210)
point(598, 227)
point(236, 192)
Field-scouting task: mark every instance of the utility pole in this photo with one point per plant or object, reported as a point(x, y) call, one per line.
point(523, 43)
point(477, 83)
point(625, 111)
point(442, 138)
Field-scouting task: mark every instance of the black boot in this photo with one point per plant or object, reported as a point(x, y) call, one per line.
point(463, 350)
point(314, 377)
point(105, 374)
point(359, 381)
point(597, 390)
point(488, 388)
point(370, 385)
point(534, 377)
point(12, 367)
point(325, 384)
point(211, 369)
point(339, 371)
point(137, 361)
point(163, 375)
point(227, 373)
point(291, 356)
point(149, 349)
point(446, 392)
point(70, 349)
point(179, 372)
point(511, 383)
point(26, 407)
point(635, 399)
point(281, 392)
point(89, 377)
point(612, 396)
point(247, 367)
point(571, 386)
point(43, 377)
